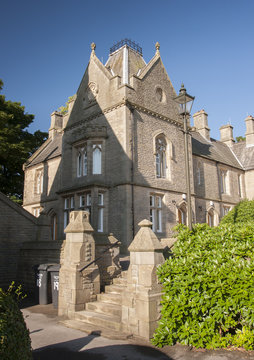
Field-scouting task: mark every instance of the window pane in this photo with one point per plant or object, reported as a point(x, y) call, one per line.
point(66, 203)
point(158, 221)
point(100, 220)
point(151, 200)
point(88, 199)
point(96, 159)
point(72, 202)
point(100, 199)
point(79, 165)
point(85, 163)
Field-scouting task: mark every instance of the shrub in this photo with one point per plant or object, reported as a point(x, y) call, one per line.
point(15, 342)
point(208, 288)
point(241, 213)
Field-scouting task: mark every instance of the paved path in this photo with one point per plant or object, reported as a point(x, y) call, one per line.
point(52, 341)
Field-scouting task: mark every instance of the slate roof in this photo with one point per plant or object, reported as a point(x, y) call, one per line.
point(213, 150)
point(52, 150)
point(244, 154)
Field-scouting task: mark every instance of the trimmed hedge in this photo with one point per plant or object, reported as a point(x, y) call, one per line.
point(15, 343)
point(208, 286)
point(243, 212)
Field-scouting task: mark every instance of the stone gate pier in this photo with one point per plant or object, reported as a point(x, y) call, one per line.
point(77, 287)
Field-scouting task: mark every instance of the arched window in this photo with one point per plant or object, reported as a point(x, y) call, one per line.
point(210, 218)
point(96, 158)
point(85, 162)
point(161, 158)
point(82, 161)
point(79, 164)
point(182, 215)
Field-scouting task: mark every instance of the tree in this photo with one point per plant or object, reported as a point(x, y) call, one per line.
point(240, 138)
point(16, 145)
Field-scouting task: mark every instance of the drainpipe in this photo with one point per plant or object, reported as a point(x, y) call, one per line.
point(132, 169)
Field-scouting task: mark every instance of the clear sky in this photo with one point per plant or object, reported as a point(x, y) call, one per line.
point(207, 44)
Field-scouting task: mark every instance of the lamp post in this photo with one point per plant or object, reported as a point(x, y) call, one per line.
point(186, 101)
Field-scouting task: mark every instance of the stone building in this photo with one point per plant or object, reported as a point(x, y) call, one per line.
point(118, 152)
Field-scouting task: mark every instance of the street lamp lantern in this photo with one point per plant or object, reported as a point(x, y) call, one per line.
point(185, 102)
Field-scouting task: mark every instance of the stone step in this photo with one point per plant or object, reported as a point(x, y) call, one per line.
point(116, 289)
point(111, 298)
point(120, 281)
point(106, 321)
point(104, 308)
point(91, 329)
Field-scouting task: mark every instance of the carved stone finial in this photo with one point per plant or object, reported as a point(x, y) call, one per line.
point(157, 47)
point(93, 46)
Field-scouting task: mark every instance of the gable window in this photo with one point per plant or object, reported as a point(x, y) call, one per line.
point(96, 159)
point(100, 212)
point(156, 212)
point(68, 207)
point(161, 163)
point(82, 162)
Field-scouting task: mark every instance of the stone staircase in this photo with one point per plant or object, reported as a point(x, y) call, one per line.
point(104, 315)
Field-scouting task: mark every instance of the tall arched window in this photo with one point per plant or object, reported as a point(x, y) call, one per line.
point(96, 158)
point(79, 164)
point(161, 158)
point(210, 218)
point(82, 161)
point(182, 215)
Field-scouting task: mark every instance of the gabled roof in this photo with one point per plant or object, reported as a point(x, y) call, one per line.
point(214, 150)
point(50, 151)
point(244, 154)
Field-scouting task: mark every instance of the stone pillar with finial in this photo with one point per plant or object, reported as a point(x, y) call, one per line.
point(142, 297)
point(77, 286)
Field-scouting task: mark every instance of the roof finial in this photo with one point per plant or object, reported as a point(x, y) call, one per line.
point(93, 46)
point(157, 47)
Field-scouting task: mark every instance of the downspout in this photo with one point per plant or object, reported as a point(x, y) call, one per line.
point(132, 170)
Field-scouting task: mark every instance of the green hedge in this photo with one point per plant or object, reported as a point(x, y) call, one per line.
point(15, 342)
point(241, 213)
point(208, 284)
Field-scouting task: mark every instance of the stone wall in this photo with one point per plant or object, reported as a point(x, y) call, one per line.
point(16, 227)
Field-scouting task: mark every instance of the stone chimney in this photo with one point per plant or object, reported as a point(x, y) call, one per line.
point(56, 124)
point(201, 124)
point(249, 121)
point(226, 135)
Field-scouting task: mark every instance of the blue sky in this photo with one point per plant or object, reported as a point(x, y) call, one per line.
point(208, 45)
